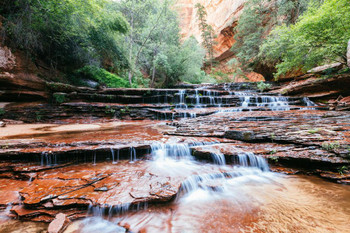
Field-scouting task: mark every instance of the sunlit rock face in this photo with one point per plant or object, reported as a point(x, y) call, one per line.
point(222, 16)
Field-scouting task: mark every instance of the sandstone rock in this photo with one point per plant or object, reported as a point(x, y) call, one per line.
point(222, 14)
point(7, 59)
point(323, 69)
point(240, 135)
point(59, 224)
point(315, 87)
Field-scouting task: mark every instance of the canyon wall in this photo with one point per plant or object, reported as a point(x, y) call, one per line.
point(222, 16)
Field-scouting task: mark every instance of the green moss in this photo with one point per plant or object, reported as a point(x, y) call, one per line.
point(313, 131)
point(330, 146)
point(60, 97)
point(102, 76)
point(273, 152)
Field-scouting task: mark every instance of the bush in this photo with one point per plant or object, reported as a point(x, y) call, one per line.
point(263, 86)
point(319, 37)
point(102, 76)
point(60, 97)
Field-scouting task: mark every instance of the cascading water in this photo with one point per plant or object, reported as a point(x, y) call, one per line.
point(182, 100)
point(249, 159)
point(162, 151)
point(48, 159)
point(176, 159)
point(132, 154)
point(274, 103)
point(308, 103)
point(115, 160)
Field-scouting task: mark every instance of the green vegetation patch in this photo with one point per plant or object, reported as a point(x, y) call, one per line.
point(330, 146)
point(102, 76)
point(262, 86)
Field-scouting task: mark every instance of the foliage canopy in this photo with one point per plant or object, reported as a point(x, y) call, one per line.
point(320, 36)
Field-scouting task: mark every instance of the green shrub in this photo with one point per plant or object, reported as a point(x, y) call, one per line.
point(330, 146)
point(2, 111)
point(313, 131)
point(60, 97)
point(263, 86)
point(102, 76)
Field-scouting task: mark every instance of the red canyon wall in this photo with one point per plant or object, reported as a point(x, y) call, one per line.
point(222, 16)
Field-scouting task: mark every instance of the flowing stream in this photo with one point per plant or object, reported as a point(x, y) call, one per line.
point(244, 197)
point(212, 195)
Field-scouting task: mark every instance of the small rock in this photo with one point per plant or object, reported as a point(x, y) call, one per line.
point(48, 204)
point(59, 224)
point(2, 124)
point(125, 225)
point(101, 189)
point(240, 135)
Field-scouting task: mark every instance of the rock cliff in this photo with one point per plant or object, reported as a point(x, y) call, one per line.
point(222, 16)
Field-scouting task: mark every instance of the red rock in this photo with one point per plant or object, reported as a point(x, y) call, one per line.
point(125, 225)
point(59, 224)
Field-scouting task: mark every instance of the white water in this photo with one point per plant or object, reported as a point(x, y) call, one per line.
point(48, 159)
point(114, 160)
point(176, 159)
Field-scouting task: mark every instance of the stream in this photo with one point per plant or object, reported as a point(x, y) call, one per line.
point(218, 160)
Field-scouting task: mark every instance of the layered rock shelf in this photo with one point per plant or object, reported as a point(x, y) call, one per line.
point(107, 151)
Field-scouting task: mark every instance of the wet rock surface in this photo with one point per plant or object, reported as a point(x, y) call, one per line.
point(82, 162)
point(314, 138)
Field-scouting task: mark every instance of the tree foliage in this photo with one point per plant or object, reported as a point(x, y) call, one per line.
point(319, 36)
point(102, 76)
point(137, 39)
point(67, 33)
point(154, 44)
point(257, 19)
point(207, 32)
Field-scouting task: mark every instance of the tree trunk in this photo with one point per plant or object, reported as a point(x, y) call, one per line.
point(130, 77)
point(153, 75)
point(348, 54)
point(130, 49)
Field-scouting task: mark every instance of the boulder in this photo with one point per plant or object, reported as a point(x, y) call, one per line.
point(240, 135)
point(59, 224)
point(2, 124)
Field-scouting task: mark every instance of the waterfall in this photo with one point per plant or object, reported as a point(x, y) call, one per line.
point(48, 159)
point(182, 100)
point(113, 156)
point(132, 155)
point(275, 103)
point(249, 159)
point(94, 159)
point(161, 151)
point(308, 103)
point(198, 99)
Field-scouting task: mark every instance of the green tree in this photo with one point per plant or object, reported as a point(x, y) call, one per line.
point(207, 32)
point(154, 45)
point(256, 21)
point(67, 34)
point(320, 36)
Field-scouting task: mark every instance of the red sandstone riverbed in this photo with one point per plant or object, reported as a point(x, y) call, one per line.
point(284, 204)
